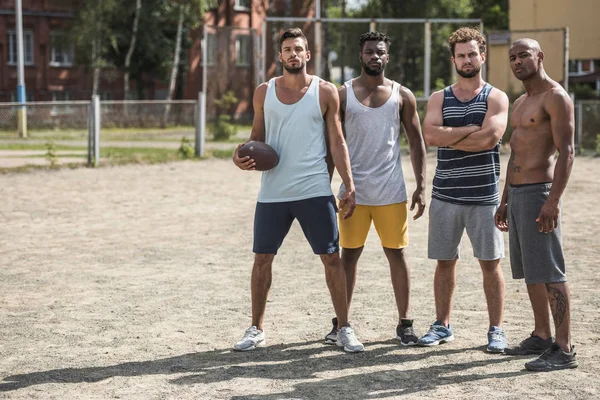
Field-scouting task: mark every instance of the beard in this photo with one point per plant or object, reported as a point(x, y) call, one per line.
point(373, 71)
point(294, 70)
point(474, 71)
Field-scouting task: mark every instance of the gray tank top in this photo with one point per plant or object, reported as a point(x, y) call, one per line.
point(297, 133)
point(373, 138)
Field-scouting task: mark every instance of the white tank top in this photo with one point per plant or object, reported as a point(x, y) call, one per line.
point(297, 133)
point(373, 138)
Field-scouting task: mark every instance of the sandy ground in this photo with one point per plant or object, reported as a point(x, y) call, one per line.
point(133, 282)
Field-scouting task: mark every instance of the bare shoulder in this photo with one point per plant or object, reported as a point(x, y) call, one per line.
point(342, 92)
point(558, 95)
point(519, 100)
point(406, 93)
point(498, 95)
point(436, 97)
point(327, 90)
point(261, 90)
point(326, 87)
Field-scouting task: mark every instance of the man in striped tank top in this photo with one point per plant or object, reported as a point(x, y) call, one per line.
point(292, 114)
point(466, 122)
point(373, 109)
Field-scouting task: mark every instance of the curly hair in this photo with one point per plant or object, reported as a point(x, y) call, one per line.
point(293, 33)
point(464, 35)
point(376, 36)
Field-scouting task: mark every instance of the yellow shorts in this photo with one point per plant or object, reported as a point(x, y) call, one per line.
point(390, 222)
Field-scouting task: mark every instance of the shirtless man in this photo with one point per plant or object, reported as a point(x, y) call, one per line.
point(543, 124)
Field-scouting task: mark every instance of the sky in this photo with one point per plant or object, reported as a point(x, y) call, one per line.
point(356, 3)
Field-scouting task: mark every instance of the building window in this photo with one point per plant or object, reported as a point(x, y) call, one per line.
point(581, 67)
point(27, 47)
point(243, 50)
point(61, 50)
point(211, 49)
point(242, 5)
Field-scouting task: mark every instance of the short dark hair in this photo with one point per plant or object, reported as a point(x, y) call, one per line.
point(292, 33)
point(464, 35)
point(374, 36)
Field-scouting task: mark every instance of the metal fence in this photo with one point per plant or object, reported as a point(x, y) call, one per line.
point(587, 125)
point(130, 123)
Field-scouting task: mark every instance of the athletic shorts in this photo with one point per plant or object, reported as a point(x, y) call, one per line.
point(447, 223)
point(317, 218)
point(389, 220)
point(536, 256)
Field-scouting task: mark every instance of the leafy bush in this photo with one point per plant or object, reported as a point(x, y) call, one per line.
point(186, 150)
point(223, 129)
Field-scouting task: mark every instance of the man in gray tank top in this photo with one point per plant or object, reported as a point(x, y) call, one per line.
point(372, 109)
point(292, 114)
point(466, 121)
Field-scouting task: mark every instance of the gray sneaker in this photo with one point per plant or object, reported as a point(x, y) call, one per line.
point(496, 340)
point(331, 337)
point(346, 338)
point(405, 333)
point(552, 359)
point(532, 345)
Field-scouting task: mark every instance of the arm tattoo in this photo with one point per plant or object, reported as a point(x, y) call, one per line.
point(558, 304)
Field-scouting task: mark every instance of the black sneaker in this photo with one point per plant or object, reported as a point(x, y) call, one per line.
point(331, 337)
point(405, 333)
point(554, 358)
point(532, 345)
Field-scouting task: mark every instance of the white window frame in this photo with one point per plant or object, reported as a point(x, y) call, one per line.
point(67, 52)
point(242, 5)
point(580, 70)
point(12, 47)
point(239, 60)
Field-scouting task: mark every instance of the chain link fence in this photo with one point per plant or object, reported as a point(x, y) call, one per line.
point(113, 129)
point(587, 125)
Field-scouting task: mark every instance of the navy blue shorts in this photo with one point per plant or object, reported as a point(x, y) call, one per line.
point(317, 217)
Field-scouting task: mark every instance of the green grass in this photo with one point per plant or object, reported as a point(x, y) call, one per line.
point(32, 146)
point(225, 153)
point(173, 133)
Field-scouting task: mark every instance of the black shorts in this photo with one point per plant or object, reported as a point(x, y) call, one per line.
point(317, 217)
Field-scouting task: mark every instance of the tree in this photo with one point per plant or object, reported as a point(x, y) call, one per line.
point(190, 12)
point(93, 36)
point(136, 20)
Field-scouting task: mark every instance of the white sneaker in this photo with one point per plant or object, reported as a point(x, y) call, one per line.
point(252, 339)
point(347, 339)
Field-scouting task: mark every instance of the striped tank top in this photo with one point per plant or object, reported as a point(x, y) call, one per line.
point(464, 177)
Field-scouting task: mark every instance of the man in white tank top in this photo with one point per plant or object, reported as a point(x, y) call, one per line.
point(372, 109)
point(292, 114)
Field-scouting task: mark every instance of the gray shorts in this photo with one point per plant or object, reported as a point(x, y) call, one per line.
point(447, 223)
point(536, 256)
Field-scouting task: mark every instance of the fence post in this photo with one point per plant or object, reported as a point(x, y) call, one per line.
point(90, 137)
point(427, 74)
point(200, 125)
point(96, 128)
point(579, 127)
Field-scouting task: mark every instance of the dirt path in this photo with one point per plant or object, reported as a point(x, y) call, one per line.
point(133, 282)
